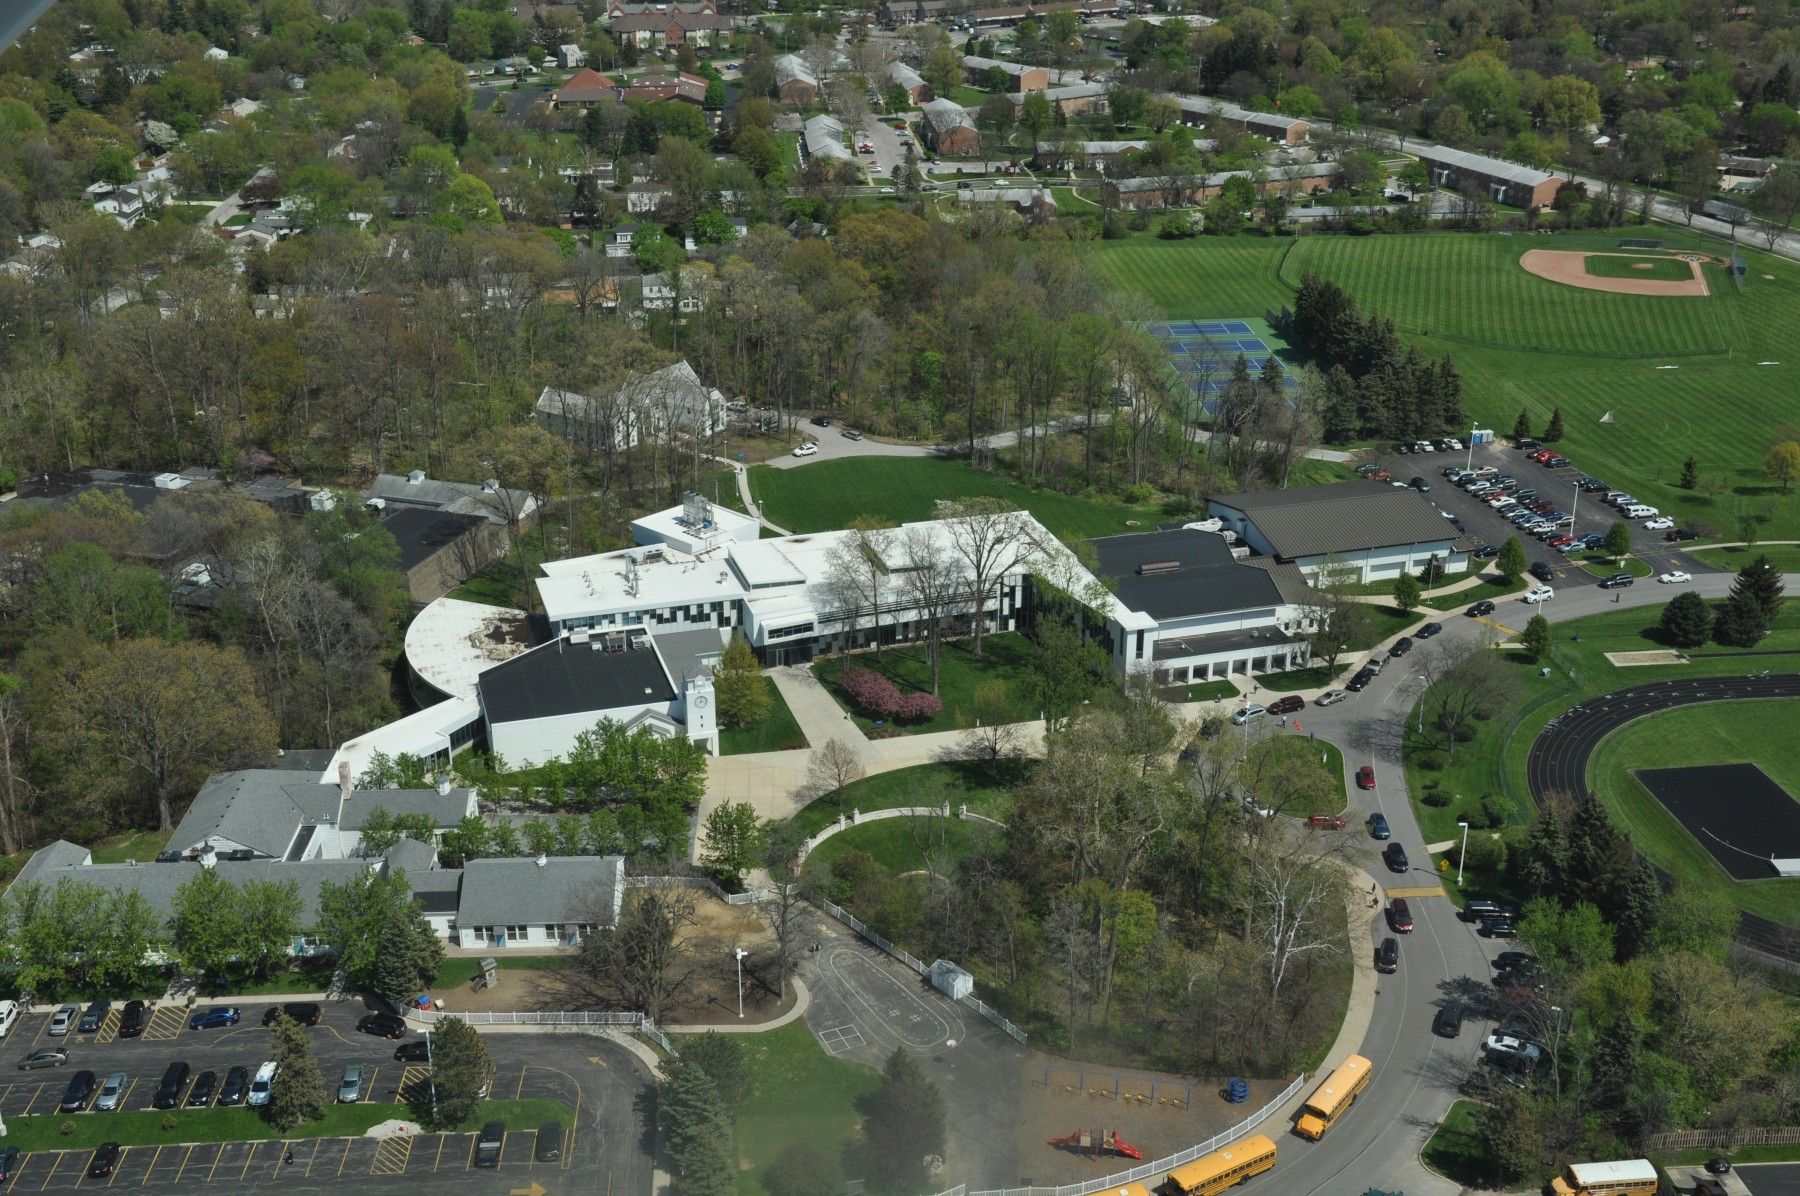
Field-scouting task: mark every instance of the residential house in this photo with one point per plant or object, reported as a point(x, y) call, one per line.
point(824, 138)
point(1019, 77)
point(620, 8)
point(1071, 99)
point(917, 90)
point(1496, 180)
point(1378, 531)
point(949, 130)
point(795, 82)
point(665, 292)
point(667, 28)
point(440, 550)
point(659, 403)
point(647, 197)
point(1084, 155)
point(570, 56)
point(740, 228)
point(215, 54)
point(1033, 203)
point(654, 89)
point(618, 241)
point(126, 204)
point(584, 89)
point(1199, 110)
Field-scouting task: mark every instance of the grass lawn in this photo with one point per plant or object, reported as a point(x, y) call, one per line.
point(1523, 342)
point(1601, 565)
point(1785, 557)
point(1388, 621)
point(1317, 677)
point(1473, 773)
point(1658, 269)
point(893, 843)
point(1007, 657)
point(1453, 1150)
point(1742, 1154)
point(1200, 691)
point(1308, 751)
point(775, 733)
point(827, 495)
point(144, 1127)
point(803, 1095)
point(141, 846)
point(1724, 733)
point(983, 790)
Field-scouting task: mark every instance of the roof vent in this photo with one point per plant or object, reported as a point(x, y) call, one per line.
point(1158, 567)
point(543, 861)
point(491, 486)
point(443, 784)
point(415, 477)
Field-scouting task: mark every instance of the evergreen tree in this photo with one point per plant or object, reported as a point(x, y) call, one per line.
point(1545, 862)
point(1690, 474)
point(1613, 1065)
point(1338, 421)
point(726, 1062)
point(593, 128)
point(460, 1069)
point(698, 1126)
point(1740, 623)
point(905, 1123)
point(1522, 426)
point(1598, 855)
point(1553, 431)
point(1511, 561)
point(1536, 637)
point(297, 1094)
point(459, 127)
point(1639, 906)
point(1761, 580)
point(1686, 621)
point(739, 687)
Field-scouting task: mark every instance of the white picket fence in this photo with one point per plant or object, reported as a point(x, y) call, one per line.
point(1147, 1171)
point(635, 1023)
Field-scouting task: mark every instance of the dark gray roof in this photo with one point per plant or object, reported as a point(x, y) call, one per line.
point(513, 892)
point(422, 532)
point(444, 809)
point(1205, 579)
point(414, 857)
point(1342, 517)
point(157, 883)
point(567, 678)
point(311, 761)
point(1292, 583)
point(689, 653)
point(260, 808)
point(60, 854)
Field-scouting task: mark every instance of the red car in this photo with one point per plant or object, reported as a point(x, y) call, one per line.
point(1559, 541)
point(1365, 777)
point(1330, 822)
point(1287, 705)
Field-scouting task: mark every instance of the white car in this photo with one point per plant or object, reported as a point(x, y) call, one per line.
point(1674, 578)
point(259, 1087)
point(1538, 594)
point(1659, 524)
point(1507, 1044)
point(805, 450)
point(887, 190)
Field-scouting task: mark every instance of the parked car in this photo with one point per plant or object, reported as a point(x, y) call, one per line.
point(821, 421)
point(1528, 442)
point(1387, 956)
point(1658, 524)
point(112, 1093)
point(94, 1017)
point(489, 1143)
point(1680, 534)
point(1537, 594)
point(1330, 822)
point(1674, 577)
point(1247, 713)
point(259, 1087)
point(201, 1094)
point(304, 1012)
point(1365, 777)
point(350, 1088)
point(1331, 697)
point(1400, 916)
point(805, 450)
point(1395, 855)
point(1508, 1044)
point(1523, 961)
point(105, 1158)
point(1401, 647)
point(235, 1087)
point(1617, 581)
point(1427, 631)
point(1449, 1020)
point(132, 1020)
point(412, 1052)
point(382, 1025)
point(45, 1057)
point(1477, 908)
point(1484, 607)
point(1487, 552)
point(549, 1143)
point(207, 1019)
point(63, 1020)
point(10, 1159)
point(1360, 680)
point(1718, 1166)
point(851, 434)
point(1287, 705)
point(1498, 928)
point(78, 1093)
point(174, 1083)
point(1419, 484)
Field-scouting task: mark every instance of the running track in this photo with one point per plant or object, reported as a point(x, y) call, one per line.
point(1559, 756)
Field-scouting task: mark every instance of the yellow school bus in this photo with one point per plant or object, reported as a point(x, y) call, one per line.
point(1213, 1173)
point(1334, 1097)
point(1625, 1177)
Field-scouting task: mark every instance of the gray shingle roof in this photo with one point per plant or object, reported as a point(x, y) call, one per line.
point(514, 892)
point(1206, 579)
point(157, 883)
point(260, 808)
point(791, 68)
point(1497, 168)
point(444, 809)
point(1343, 517)
point(945, 115)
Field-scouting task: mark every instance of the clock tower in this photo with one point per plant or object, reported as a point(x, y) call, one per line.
point(701, 708)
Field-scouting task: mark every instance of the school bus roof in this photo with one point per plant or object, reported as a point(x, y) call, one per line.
point(1619, 1169)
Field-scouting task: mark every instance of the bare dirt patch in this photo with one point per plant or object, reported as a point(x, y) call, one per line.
point(1626, 660)
point(1570, 268)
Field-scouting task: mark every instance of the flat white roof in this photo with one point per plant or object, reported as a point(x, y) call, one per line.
point(450, 642)
point(422, 733)
point(763, 565)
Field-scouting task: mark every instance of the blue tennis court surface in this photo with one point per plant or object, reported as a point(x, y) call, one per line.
point(1204, 354)
point(1207, 328)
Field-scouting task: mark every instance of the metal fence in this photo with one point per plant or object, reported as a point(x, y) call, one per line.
point(635, 1023)
point(696, 882)
point(1149, 1170)
point(1785, 1135)
point(919, 966)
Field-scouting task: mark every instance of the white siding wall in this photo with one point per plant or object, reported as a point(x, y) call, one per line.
point(532, 741)
point(1377, 564)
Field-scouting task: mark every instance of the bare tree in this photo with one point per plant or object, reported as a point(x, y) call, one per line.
point(1463, 680)
point(641, 963)
point(789, 917)
point(935, 582)
point(1332, 615)
point(1298, 896)
point(833, 768)
point(856, 570)
point(986, 533)
point(330, 632)
point(16, 789)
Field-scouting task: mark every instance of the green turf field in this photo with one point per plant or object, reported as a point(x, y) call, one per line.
point(829, 494)
point(1656, 269)
point(1526, 342)
point(1721, 733)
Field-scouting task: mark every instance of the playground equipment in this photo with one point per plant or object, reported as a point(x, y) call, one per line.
point(1174, 1094)
point(1093, 1145)
point(1237, 1091)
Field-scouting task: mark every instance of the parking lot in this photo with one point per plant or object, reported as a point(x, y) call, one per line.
point(601, 1082)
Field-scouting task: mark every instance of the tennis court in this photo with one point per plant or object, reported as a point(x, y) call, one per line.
point(1204, 354)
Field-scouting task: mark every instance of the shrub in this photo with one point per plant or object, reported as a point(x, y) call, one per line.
point(1139, 494)
point(169, 1122)
point(1433, 761)
point(877, 695)
point(67, 1128)
point(1486, 853)
point(1436, 798)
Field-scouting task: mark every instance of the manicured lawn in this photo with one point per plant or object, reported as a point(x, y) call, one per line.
point(893, 843)
point(1317, 677)
point(1008, 658)
point(1743, 1154)
point(1308, 751)
point(983, 790)
point(776, 733)
point(803, 1095)
point(144, 1127)
point(1785, 557)
point(1659, 269)
point(827, 495)
point(1453, 1151)
point(1200, 691)
point(1524, 342)
point(1388, 621)
point(1760, 733)
point(1601, 565)
point(141, 846)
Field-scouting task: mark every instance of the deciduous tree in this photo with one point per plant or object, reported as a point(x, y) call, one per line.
point(1618, 540)
point(832, 768)
point(1782, 463)
point(1536, 637)
point(733, 838)
point(1406, 592)
point(1511, 561)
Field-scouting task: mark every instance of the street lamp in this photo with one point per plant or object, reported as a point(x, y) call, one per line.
point(1574, 507)
point(1470, 463)
point(1464, 853)
point(431, 1074)
point(739, 952)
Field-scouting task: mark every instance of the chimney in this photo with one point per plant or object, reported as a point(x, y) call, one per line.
point(415, 477)
point(208, 857)
point(344, 780)
point(443, 784)
point(542, 860)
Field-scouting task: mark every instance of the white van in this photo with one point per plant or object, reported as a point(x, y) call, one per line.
point(1641, 512)
point(259, 1087)
point(9, 1015)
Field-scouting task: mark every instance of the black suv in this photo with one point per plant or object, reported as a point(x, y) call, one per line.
point(1484, 607)
point(131, 1022)
point(1617, 581)
point(304, 1012)
point(1680, 534)
point(1361, 681)
point(412, 1052)
point(1543, 572)
point(94, 1017)
point(174, 1082)
point(1529, 442)
point(1395, 855)
point(80, 1091)
point(382, 1025)
point(1448, 1023)
point(1401, 647)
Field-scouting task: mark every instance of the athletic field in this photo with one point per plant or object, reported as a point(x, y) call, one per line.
point(1679, 377)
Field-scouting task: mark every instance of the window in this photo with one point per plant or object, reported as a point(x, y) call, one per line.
point(517, 934)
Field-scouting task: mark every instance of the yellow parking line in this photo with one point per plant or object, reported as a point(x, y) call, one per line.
point(439, 1157)
point(118, 1167)
point(109, 1028)
point(348, 1142)
point(125, 1096)
point(1433, 891)
point(182, 1170)
point(34, 1098)
point(312, 1158)
point(391, 1155)
point(470, 1161)
point(154, 1159)
point(254, 1147)
point(568, 1152)
point(55, 1162)
point(519, 1092)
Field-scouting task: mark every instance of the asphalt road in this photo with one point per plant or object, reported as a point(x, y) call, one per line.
point(603, 1083)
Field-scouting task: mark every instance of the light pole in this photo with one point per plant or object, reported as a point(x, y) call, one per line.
point(1470, 463)
point(1574, 507)
point(739, 953)
point(1464, 853)
point(431, 1074)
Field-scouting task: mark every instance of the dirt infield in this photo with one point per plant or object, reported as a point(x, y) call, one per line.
point(1570, 268)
